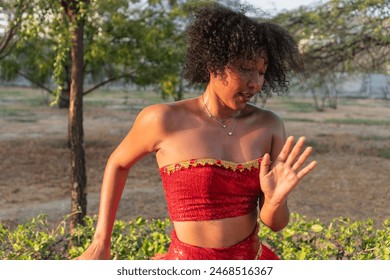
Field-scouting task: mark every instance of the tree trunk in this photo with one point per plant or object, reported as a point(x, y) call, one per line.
point(334, 98)
point(317, 106)
point(63, 102)
point(75, 127)
point(178, 95)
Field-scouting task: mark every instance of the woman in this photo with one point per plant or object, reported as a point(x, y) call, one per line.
point(224, 163)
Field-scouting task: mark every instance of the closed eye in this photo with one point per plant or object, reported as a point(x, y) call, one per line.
point(245, 69)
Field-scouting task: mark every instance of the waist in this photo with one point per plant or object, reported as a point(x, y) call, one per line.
point(216, 233)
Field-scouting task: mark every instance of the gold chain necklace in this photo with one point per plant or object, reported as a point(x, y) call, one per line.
point(224, 126)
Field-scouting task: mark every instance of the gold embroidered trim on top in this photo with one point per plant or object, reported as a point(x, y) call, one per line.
point(171, 168)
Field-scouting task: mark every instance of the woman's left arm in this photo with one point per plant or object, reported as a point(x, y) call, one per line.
point(280, 173)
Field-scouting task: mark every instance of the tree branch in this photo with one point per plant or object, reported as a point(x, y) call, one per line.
point(131, 76)
point(42, 86)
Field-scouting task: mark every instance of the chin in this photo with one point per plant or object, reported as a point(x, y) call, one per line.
point(239, 107)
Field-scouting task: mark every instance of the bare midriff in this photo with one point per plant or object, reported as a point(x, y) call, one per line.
point(216, 233)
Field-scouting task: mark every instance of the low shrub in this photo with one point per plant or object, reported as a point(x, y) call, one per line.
point(140, 239)
point(341, 239)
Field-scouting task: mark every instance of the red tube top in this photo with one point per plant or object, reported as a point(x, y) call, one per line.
point(210, 189)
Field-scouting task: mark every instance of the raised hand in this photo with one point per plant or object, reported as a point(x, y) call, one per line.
point(279, 178)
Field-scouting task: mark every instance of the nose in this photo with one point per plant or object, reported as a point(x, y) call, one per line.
point(255, 82)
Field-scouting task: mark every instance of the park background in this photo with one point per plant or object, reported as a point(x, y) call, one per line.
point(342, 106)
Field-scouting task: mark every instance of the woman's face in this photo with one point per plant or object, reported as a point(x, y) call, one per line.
point(243, 79)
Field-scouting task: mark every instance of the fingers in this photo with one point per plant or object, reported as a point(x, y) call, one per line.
point(306, 170)
point(295, 151)
point(297, 163)
point(290, 156)
point(301, 160)
point(265, 165)
point(284, 153)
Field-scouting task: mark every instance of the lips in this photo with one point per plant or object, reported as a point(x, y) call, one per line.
point(246, 97)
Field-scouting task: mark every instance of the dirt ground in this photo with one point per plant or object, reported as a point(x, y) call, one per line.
point(352, 179)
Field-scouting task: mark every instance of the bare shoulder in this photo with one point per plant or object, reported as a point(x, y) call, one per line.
point(158, 122)
point(154, 113)
point(164, 115)
point(264, 116)
point(273, 124)
point(151, 128)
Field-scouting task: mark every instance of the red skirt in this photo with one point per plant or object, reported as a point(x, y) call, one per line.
point(249, 249)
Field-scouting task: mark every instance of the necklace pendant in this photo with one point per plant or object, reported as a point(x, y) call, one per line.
point(230, 133)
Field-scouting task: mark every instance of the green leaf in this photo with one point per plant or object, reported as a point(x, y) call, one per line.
point(316, 228)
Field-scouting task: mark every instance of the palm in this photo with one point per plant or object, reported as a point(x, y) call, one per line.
point(280, 178)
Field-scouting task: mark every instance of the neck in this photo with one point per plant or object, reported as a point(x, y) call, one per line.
point(216, 108)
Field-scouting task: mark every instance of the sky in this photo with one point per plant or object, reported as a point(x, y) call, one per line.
point(274, 6)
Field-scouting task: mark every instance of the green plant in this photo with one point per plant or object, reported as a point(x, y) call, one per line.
point(384, 152)
point(141, 239)
point(32, 241)
point(340, 239)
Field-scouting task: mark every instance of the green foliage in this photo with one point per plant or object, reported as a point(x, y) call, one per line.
point(16, 13)
point(140, 239)
point(338, 37)
point(340, 239)
point(341, 35)
point(141, 42)
point(32, 241)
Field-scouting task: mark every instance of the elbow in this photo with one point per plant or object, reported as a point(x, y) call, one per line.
point(277, 227)
point(116, 162)
point(275, 224)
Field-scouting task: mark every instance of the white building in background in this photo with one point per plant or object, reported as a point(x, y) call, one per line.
point(365, 86)
point(368, 85)
point(3, 23)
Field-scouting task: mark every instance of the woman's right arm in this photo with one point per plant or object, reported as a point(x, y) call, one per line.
point(143, 138)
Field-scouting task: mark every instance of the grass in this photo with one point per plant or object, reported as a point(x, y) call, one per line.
point(103, 97)
point(384, 153)
point(9, 112)
point(364, 103)
point(296, 105)
point(18, 104)
point(374, 138)
point(298, 120)
point(17, 115)
point(4, 92)
point(96, 103)
point(359, 121)
point(317, 147)
point(30, 97)
point(34, 98)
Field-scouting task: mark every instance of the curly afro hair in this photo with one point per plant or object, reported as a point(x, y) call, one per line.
point(218, 36)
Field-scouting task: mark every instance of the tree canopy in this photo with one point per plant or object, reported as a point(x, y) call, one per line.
point(13, 15)
point(141, 42)
point(342, 35)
